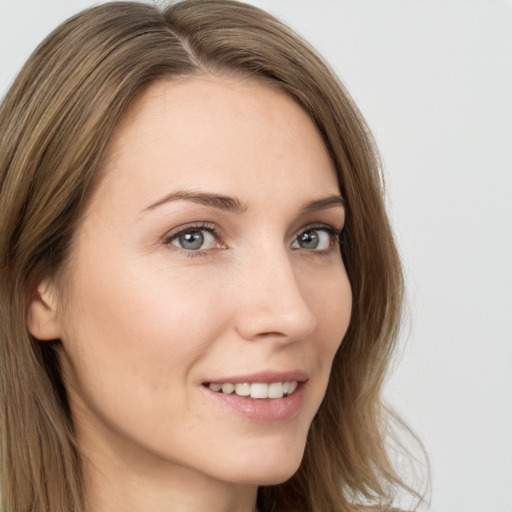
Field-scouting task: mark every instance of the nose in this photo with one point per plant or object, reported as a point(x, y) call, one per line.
point(272, 302)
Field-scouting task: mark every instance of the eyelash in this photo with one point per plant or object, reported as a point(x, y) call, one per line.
point(196, 226)
point(334, 235)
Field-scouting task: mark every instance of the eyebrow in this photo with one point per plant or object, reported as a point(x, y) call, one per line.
point(323, 204)
point(233, 204)
point(218, 201)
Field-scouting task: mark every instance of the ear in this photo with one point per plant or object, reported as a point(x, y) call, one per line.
point(42, 319)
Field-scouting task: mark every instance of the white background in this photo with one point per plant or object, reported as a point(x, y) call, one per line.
point(434, 79)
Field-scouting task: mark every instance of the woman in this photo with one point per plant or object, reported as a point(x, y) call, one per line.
point(200, 288)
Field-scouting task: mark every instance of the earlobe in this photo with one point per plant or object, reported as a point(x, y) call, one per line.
point(42, 318)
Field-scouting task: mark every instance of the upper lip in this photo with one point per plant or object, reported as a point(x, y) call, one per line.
point(263, 377)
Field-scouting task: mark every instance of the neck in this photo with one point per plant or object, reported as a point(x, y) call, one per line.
point(119, 477)
point(114, 488)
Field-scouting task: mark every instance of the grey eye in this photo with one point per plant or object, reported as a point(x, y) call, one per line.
point(309, 240)
point(313, 239)
point(194, 240)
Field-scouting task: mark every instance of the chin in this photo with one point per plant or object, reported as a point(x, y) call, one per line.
point(267, 465)
point(266, 474)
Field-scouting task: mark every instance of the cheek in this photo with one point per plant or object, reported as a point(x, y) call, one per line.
point(332, 304)
point(143, 324)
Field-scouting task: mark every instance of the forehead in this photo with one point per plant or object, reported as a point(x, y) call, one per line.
point(219, 132)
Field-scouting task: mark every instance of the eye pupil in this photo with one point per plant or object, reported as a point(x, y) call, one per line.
point(191, 240)
point(309, 240)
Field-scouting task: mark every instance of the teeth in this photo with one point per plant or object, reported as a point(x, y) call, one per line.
point(275, 390)
point(292, 387)
point(256, 389)
point(242, 389)
point(227, 389)
point(259, 390)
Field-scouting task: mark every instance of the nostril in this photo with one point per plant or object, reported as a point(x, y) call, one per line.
point(264, 325)
point(271, 334)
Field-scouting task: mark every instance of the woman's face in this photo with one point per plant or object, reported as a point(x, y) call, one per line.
point(207, 258)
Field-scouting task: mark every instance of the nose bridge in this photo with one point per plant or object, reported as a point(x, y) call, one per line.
point(273, 302)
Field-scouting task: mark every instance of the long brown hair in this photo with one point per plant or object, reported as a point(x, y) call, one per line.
point(56, 122)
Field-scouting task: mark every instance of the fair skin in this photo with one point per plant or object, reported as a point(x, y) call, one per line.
point(171, 291)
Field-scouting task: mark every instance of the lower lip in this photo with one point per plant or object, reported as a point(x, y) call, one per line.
point(263, 410)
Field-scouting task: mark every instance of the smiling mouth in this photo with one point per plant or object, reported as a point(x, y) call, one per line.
point(256, 390)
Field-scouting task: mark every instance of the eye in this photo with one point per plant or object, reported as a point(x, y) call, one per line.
point(316, 239)
point(193, 238)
